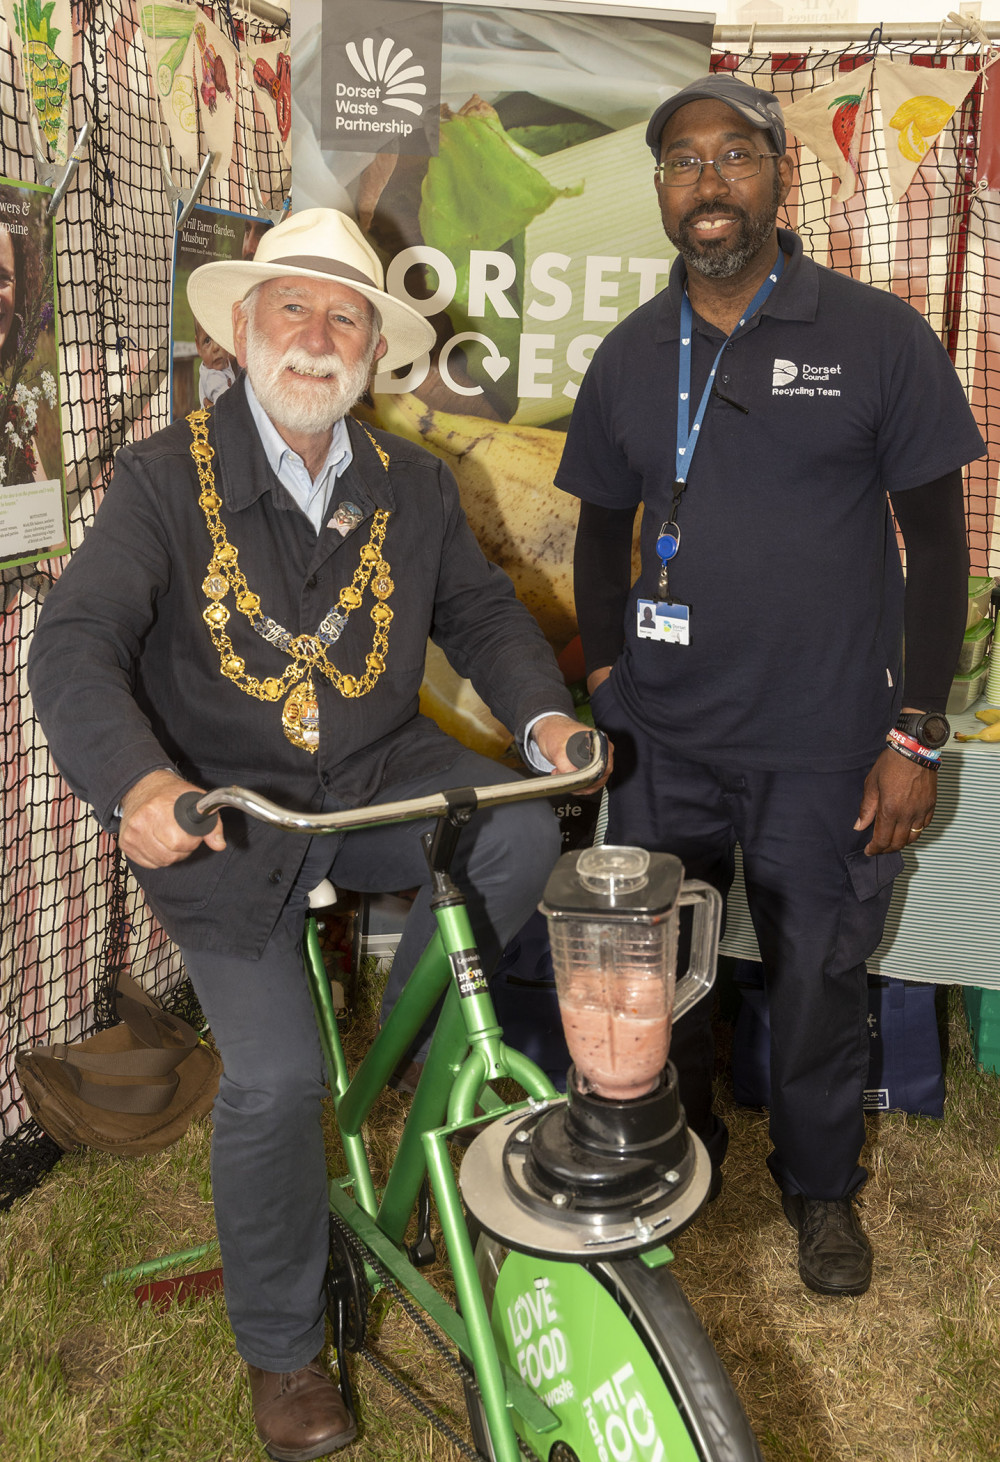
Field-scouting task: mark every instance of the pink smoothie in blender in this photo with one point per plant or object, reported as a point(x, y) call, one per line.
point(616, 1015)
point(615, 965)
point(621, 1054)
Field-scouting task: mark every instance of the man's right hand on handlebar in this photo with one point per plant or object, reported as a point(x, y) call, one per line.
point(551, 735)
point(149, 833)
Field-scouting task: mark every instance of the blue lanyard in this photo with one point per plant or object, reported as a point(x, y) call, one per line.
point(687, 435)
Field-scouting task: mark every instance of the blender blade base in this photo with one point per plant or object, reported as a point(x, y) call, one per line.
point(497, 1191)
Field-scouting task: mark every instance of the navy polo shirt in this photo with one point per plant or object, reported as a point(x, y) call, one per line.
point(788, 557)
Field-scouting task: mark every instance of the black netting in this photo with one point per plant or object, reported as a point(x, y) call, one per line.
point(938, 248)
point(70, 917)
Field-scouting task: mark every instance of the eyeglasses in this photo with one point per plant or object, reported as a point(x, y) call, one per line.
point(737, 165)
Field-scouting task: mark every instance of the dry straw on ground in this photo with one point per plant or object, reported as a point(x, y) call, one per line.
point(907, 1373)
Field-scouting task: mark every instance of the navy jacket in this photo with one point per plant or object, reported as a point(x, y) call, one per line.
point(125, 678)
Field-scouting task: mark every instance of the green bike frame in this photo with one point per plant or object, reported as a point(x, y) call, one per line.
point(466, 1053)
point(653, 1387)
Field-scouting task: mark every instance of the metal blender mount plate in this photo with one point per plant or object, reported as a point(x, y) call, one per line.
point(491, 1180)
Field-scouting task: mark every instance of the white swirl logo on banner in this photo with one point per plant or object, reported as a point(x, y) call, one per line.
point(384, 69)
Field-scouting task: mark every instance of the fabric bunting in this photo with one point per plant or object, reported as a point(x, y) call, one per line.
point(168, 33)
point(194, 68)
point(42, 37)
point(917, 103)
point(196, 71)
point(269, 73)
point(216, 69)
point(829, 122)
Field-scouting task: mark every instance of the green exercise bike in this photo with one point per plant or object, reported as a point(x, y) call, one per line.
point(574, 1341)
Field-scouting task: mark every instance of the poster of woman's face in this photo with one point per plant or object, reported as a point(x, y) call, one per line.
point(32, 500)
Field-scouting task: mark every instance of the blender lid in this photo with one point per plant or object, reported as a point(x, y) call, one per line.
point(632, 881)
point(611, 870)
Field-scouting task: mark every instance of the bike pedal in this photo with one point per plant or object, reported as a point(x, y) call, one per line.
point(422, 1252)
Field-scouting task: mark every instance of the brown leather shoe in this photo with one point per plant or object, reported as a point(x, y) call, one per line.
point(299, 1414)
point(406, 1076)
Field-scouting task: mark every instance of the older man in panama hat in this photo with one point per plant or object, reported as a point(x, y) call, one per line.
point(164, 661)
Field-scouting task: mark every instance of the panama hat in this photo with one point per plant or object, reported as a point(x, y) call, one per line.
point(761, 108)
point(318, 243)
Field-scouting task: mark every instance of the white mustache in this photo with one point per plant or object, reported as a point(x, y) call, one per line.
point(311, 365)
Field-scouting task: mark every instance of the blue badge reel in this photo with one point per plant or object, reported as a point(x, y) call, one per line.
point(661, 619)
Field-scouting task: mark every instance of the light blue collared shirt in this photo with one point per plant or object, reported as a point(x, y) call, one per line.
point(313, 497)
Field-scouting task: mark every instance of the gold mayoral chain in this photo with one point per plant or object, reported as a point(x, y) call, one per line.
point(300, 713)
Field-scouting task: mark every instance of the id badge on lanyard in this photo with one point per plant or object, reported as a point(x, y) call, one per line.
point(663, 618)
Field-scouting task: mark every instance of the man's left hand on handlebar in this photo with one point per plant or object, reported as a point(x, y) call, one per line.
point(551, 735)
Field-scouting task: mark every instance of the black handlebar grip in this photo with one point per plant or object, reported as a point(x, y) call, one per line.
point(190, 819)
point(579, 747)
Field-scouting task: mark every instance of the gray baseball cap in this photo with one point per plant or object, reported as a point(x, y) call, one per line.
point(761, 108)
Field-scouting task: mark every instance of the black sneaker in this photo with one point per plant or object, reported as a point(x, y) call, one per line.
point(835, 1257)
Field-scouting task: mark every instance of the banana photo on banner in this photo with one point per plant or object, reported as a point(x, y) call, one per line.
point(484, 151)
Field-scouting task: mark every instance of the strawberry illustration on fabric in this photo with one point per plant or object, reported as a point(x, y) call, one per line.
point(843, 123)
point(829, 121)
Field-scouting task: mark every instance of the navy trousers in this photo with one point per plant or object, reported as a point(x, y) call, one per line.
point(818, 906)
point(268, 1161)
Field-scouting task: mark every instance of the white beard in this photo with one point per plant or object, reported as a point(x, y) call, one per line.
point(304, 403)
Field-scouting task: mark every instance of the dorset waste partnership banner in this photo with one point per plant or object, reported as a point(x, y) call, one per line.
point(495, 157)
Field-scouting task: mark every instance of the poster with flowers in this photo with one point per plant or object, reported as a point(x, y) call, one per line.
point(32, 492)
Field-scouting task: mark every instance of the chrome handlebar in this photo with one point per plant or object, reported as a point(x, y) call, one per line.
point(196, 811)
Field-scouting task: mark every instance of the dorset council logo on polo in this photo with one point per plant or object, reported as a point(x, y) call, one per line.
point(814, 380)
point(394, 83)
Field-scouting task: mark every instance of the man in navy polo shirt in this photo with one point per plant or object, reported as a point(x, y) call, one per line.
point(752, 680)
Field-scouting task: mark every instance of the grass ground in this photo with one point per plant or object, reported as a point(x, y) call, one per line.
point(907, 1373)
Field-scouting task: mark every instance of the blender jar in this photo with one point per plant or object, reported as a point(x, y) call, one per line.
point(613, 922)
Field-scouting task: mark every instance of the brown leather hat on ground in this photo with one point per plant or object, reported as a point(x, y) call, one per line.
point(133, 1088)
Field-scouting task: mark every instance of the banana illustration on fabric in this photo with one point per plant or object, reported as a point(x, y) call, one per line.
point(523, 523)
point(504, 473)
